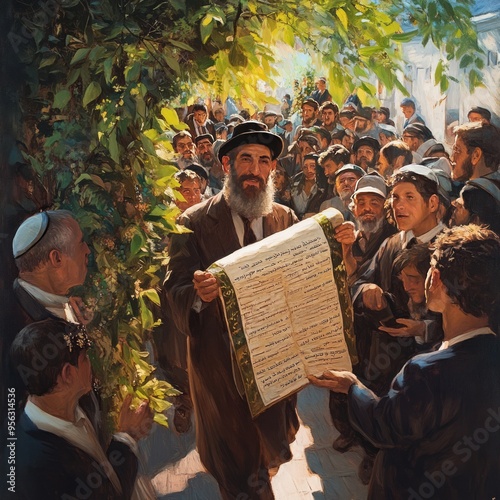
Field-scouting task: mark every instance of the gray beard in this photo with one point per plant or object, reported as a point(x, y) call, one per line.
point(370, 227)
point(417, 311)
point(249, 207)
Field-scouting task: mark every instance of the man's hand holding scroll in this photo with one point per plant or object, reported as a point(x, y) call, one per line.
point(206, 285)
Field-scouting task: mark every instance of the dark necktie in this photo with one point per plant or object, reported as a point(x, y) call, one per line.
point(248, 236)
point(412, 243)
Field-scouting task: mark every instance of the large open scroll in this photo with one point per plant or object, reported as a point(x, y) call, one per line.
point(288, 309)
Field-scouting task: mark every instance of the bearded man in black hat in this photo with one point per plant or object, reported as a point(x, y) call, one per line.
point(240, 452)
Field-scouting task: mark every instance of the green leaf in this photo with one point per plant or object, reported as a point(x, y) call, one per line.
point(161, 419)
point(466, 61)
point(369, 51)
point(206, 27)
point(79, 56)
point(147, 318)
point(132, 72)
point(408, 36)
point(148, 145)
point(113, 148)
point(136, 243)
point(92, 92)
point(47, 61)
point(152, 295)
point(171, 116)
point(173, 63)
point(181, 45)
point(108, 69)
point(341, 14)
point(61, 99)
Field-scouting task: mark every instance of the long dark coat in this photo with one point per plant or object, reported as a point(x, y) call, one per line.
point(236, 449)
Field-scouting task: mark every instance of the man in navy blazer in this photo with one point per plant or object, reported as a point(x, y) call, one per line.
point(438, 427)
point(57, 453)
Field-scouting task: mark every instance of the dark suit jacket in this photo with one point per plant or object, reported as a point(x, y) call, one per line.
point(48, 467)
point(321, 98)
point(438, 427)
point(232, 445)
point(28, 310)
point(209, 125)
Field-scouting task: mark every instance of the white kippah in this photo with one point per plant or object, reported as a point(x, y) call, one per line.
point(30, 232)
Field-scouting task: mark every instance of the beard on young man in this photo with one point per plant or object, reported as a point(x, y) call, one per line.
point(253, 201)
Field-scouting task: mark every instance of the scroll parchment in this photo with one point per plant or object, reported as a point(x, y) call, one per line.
point(288, 309)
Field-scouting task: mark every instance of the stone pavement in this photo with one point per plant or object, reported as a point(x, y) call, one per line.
point(316, 472)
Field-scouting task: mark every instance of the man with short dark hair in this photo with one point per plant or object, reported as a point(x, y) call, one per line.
point(58, 454)
point(310, 110)
point(477, 204)
point(198, 121)
point(365, 151)
point(190, 188)
point(478, 114)
point(329, 112)
point(236, 449)
point(392, 157)
point(305, 192)
point(438, 426)
point(204, 150)
point(476, 152)
point(421, 142)
point(321, 94)
point(384, 116)
point(409, 111)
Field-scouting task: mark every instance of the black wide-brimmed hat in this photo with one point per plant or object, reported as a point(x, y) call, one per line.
point(252, 132)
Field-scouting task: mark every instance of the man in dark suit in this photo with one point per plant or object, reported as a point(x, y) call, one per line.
point(439, 425)
point(321, 94)
point(57, 451)
point(240, 452)
point(198, 121)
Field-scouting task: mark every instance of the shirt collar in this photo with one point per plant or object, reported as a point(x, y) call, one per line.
point(47, 299)
point(423, 238)
point(466, 336)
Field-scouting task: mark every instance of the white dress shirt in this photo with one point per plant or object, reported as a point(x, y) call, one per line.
point(58, 305)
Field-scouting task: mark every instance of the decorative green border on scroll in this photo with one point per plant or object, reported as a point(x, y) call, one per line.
point(235, 326)
point(239, 340)
point(340, 275)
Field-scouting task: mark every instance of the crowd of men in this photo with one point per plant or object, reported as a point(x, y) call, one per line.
point(398, 191)
point(425, 303)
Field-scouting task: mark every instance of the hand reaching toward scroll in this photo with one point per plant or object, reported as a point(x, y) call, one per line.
point(206, 285)
point(336, 381)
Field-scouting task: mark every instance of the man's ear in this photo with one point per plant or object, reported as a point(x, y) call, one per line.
point(55, 257)
point(66, 375)
point(399, 163)
point(226, 164)
point(434, 203)
point(476, 156)
point(273, 165)
point(435, 281)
